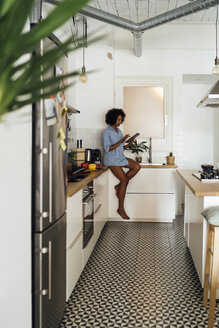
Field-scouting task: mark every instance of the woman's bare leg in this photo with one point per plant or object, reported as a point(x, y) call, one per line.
point(119, 174)
point(134, 167)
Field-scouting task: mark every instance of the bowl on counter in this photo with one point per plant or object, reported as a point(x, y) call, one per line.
point(207, 167)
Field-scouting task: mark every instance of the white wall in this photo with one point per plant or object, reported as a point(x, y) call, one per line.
point(15, 209)
point(172, 50)
point(216, 136)
point(96, 96)
point(197, 126)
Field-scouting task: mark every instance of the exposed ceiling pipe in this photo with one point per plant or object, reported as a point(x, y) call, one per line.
point(109, 18)
point(136, 28)
point(137, 43)
point(179, 12)
point(36, 12)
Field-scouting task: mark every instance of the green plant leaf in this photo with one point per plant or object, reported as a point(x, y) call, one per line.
point(138, 148)
point(20, 80)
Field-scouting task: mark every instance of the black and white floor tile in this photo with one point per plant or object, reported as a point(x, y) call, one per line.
point(140, 275)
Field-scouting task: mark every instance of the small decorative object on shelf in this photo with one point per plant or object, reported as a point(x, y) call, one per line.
point(138, 148)
point(170, 159)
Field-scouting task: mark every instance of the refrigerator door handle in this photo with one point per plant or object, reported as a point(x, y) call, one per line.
point(42, 292)
point(50, 270)
point(50, 182)
point(41, 251)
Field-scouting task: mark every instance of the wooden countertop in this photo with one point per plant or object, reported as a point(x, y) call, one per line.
point(158, 166)
point(197, 187)
point(73, 187)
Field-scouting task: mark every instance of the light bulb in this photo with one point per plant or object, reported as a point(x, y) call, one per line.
point(215, 70)
point(83, 75)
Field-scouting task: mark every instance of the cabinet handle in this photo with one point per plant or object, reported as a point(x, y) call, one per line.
point(50, 182)
point(76, 239)
point(97, 209)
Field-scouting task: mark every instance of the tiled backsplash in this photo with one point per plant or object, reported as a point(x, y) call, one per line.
point(92, 138)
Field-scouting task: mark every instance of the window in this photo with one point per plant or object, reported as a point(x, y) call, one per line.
point(147, 104)
point(145, 107)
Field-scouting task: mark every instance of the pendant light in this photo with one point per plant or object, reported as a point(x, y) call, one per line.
point(83, 75)
point(215, 70)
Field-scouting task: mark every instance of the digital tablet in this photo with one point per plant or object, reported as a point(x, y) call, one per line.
point(134, 136)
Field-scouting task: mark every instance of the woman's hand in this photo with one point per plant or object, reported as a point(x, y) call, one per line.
point(126, 137)
point(131, 141)
point(112, 147)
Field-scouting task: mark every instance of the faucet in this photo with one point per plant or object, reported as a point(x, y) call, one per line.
point(150, 151)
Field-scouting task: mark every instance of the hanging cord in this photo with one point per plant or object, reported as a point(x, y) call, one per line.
point(85, 26)
point(83, 39)
point(41, 4)
point(216, 30)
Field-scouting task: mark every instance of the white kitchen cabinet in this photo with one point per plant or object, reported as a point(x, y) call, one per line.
point(74, 217)
point(86, 252)
point(153, 181)
point(74, 264)
point(196, 227)
point(100, 203)
point(159, 207)
point(74, 231)
point(150, 195)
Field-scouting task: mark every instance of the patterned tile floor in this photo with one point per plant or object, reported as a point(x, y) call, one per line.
point(140, 275)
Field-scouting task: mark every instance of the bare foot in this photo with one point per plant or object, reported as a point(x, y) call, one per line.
point(123, 214)
point(117, 190)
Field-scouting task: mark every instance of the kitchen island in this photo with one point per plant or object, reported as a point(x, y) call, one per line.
point(198, 196)
point(150, 195)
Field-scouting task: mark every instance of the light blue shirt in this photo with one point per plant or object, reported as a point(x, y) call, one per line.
point(116, 156)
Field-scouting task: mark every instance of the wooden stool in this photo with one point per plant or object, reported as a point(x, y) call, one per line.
point(211, 214)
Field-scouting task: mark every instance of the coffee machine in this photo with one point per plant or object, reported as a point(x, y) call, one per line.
point(93, 155)
point(97, 156)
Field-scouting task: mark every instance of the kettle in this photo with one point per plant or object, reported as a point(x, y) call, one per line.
point(88, 155)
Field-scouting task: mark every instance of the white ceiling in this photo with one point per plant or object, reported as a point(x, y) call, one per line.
point(140, 10)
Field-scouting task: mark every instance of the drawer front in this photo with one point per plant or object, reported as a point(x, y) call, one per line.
point(150, 206)
point(74, 265)
point(153, 181)
point(100, 202)
point(74, 217)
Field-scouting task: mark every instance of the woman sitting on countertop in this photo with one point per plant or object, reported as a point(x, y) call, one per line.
point(113, 144)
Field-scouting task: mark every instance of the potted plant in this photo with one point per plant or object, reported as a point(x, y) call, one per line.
point(138, 148)
point(170, 159)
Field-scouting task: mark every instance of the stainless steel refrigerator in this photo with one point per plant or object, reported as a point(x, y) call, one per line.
point(49, 207)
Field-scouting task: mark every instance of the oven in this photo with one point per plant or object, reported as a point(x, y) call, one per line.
point(88, 213)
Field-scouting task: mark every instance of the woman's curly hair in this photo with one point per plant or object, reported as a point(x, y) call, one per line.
point(112, 115)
